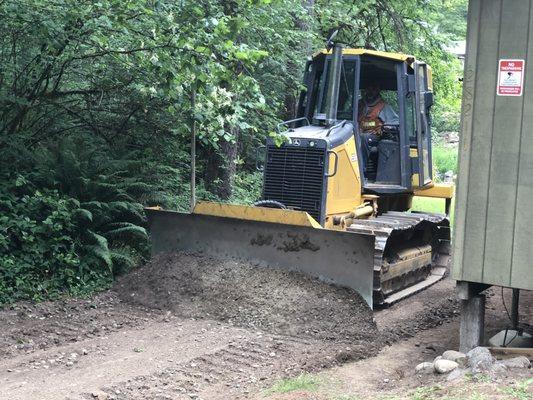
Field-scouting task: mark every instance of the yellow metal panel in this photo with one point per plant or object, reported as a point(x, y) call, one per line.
point(250, 213)
point(415, 178)
point(430, 78)
point(375, 53)
point(344, 188)
point(440, 190)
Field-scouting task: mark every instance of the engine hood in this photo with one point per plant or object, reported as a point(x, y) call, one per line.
point(332, 136)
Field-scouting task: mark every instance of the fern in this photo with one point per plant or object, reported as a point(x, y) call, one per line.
point(127, 232)
point(98, 247)
point(97, 239)
point(100, 253)
point(122, 260)
point(83, 215)
point(106, 219)
point(115, 225)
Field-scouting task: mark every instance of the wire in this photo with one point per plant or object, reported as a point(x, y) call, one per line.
point(505, 342)
point(506, 310)
point(517, 330)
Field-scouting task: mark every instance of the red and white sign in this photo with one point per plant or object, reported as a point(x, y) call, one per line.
point(511, 77)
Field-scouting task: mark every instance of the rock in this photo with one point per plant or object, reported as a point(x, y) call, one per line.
point(498, 369)
point(98, 394)
point(480, 359)
point(453, 355)
point(424, 368)
point(457, 356)
point(444, 366)
point(456, 374)
point(516, 362)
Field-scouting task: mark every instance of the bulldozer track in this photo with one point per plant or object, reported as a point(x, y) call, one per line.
point(422, 230)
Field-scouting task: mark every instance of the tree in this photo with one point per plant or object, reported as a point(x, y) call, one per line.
point(107, 85)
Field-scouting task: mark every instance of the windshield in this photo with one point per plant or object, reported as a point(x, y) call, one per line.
point(346, 91)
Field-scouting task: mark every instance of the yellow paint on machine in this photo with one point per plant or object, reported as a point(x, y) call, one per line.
point(375, 53)
point(438, 190)
point(252, 213)
point(344, 187)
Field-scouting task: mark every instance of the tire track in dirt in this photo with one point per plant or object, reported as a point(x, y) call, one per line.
point(174, 352)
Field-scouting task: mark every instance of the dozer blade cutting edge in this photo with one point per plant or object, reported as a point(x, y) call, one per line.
point(298, 243)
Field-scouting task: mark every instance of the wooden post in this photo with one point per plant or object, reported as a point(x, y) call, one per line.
point(193, 149)
point(472, 327)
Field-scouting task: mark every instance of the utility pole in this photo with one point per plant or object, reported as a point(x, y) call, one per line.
point(193, 149)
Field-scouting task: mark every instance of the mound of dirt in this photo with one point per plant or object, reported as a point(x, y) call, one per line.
point(194, 285)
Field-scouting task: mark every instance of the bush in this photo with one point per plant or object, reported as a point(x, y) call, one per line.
point(70, 224)
point(247, 187)
point(39, 252)
point(444, 159)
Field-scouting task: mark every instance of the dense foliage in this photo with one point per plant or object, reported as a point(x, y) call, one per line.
point(97, 100)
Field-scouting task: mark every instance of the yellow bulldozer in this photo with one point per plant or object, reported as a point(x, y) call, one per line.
point(334, 205)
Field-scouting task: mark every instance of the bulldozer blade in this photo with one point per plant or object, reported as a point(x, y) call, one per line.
point(342, 258)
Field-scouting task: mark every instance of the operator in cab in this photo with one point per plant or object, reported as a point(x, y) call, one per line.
point(374, 113)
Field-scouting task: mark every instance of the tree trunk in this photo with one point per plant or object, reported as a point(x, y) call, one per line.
point(221, 167)
point(229, 166)
point(292, 95)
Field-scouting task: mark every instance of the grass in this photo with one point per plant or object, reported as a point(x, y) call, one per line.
point(431, 204)
point(444, 159)
point(304, 382)
point(428, 204)
point(426, 393)
point(520, 391)
point(482, 389)
point(475, 390)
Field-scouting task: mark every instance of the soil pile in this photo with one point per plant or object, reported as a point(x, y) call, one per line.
point(194, 285)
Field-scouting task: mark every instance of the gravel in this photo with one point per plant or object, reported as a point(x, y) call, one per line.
point(194, 285)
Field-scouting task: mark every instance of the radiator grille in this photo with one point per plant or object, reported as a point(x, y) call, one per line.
point(295, 177)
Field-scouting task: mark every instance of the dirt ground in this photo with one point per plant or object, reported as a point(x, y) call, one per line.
point(232, 334)
point(390, 375)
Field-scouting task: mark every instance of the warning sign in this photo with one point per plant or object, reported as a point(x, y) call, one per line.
point(511, 77)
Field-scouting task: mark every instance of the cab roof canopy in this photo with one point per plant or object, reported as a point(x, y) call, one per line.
point(380, 54)
point(375, 66)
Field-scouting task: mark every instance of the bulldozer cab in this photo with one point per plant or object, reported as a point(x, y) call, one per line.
point(399, 161)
